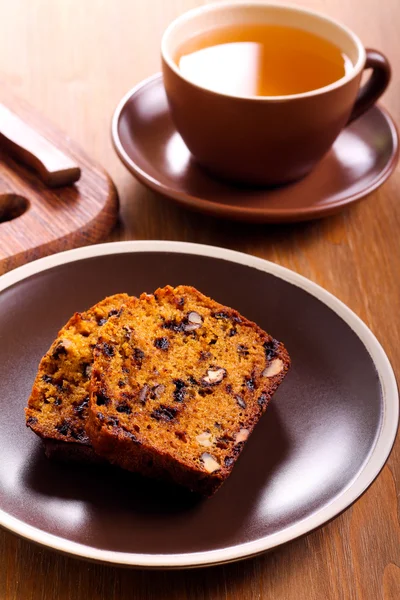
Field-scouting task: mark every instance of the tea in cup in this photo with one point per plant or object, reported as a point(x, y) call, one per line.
point(259, 92)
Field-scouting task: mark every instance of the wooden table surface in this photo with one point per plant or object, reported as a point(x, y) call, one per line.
point(74, 59)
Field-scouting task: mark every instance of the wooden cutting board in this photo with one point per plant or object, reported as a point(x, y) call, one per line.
point(36, 219)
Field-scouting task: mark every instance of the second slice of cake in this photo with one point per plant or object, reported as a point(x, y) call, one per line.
point(58, 404)
point(178, 384)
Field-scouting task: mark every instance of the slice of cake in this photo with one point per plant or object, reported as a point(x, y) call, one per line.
point(178, 384)
point(58, 405)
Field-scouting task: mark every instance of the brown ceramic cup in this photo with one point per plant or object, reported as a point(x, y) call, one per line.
point(267, 140)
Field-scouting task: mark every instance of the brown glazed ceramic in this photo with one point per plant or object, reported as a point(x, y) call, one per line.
point(266, 140)
point(323, 440)
point(360, 160)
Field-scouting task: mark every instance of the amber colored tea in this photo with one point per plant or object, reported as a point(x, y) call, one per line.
point(261, 60)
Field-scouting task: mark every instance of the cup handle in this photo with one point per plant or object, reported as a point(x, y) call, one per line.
point(369, 93)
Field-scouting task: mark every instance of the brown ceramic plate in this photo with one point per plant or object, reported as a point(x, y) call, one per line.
point(362, 158)
point(323, 440)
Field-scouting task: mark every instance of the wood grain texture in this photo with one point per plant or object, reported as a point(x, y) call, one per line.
point(54, 219)
point(73, 61)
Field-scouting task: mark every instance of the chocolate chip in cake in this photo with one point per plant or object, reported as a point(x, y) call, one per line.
point(81, 407)
point(173, 325)
point(47, 379)
point(270, 349)
point(180, 390)
point(138, 356)
point(229, 460)
point(59, 350)
point(262, 401)
point(121, 383)
point(73, 433)
point(232, 332)
point(205, 391)
point(79, 435)
point(101, 321)
point(161, 343)
point(128, 434)
point(31, 421)
point(102, 399)
point(107, 349)
point(250, 383)
point(164, 413)
point(62, 386)
point(113, 312)
point(63, 427)
point(205, 355)
point(124, 408)
point(57, 401)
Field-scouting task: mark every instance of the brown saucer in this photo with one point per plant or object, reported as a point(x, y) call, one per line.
point(362, 158)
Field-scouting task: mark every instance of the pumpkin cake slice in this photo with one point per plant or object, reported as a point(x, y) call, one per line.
point(58, 405)
point(178, 384)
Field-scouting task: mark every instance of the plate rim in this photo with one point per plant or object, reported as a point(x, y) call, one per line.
point(367, 474)
point(266, 215)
